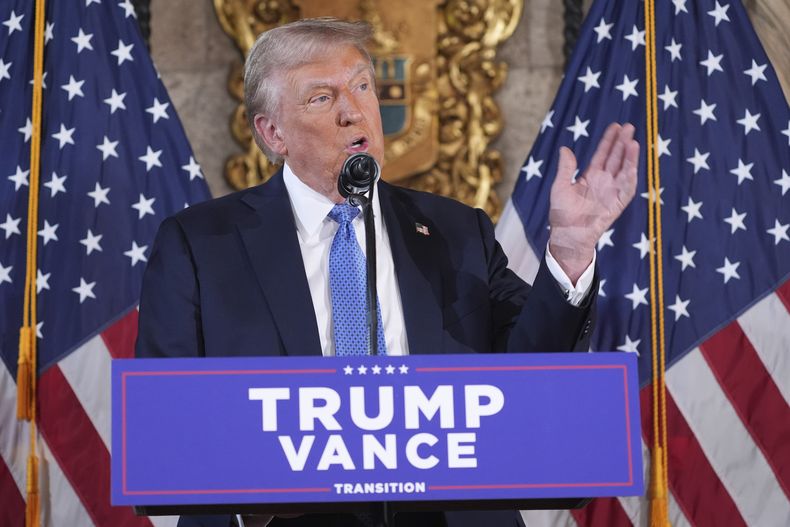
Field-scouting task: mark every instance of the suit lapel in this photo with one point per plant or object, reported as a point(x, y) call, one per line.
point(416, 258)
point(273, 248)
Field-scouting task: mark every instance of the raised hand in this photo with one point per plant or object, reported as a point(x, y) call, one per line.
point(581, 211)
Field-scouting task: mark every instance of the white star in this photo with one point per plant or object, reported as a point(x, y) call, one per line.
point(743, 171)
point(64, 136)
point(590, 79)
point(48, 232)
point(606, 239)
point(362, 370)
point(630, 345)
point(123, 52)
point(692, 209)
point(158, 110)
point(56, 184)
point(390, 369)
point(729, 270)
point(89, 2)
point(144, 206)
point(756, 72)
point(107, 148)
point(668, 97)
point(636, 37)
point(115, 101)
point(686, 258)
point(579, 128)
point(99, 195)
point(643, 245)
point(348, 370)
point(151, 158)
point(637, 296)
point(601, 292)
point(674, 50)
point(4, 69)
point(27, 130)
point(74, 87)
point(404, 369)
point(48, 35)
point(85, 290)
point(680, 5)
point(39, 325)
point(720, 13)
point(628, 87)
point(603, 30)
point(736, 221)
point(5, 273)
point(663, 146)
point(548, 124)
point(128, 8)
point(193, 168)
point(679, 308)
point(91, 242)
point(83, 41)
point(42, 281)
point(712, 63)
point(749, 122)
point(13, 22)
point(43, 80)
point(10, 226)
point(786, 132)
point(532, 168)
point(705, 112)
point(652, 193)
point(376, 369)
point(699, 160)
point(779, 232)
point(783, 182)
point(137, 253)
point(20, 178)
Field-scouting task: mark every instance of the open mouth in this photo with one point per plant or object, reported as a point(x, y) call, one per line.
point(360, 144)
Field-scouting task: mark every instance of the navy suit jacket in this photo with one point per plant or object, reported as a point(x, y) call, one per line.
point(225, 277)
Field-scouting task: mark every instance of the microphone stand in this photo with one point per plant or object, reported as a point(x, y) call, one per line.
point(370, 263)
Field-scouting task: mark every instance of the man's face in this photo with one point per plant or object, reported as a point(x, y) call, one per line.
point(328, 110)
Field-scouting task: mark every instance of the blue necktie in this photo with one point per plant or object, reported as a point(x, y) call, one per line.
point(348, 286)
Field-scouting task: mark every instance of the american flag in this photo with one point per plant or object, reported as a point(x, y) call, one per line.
point(114, 162)
point(724, 144)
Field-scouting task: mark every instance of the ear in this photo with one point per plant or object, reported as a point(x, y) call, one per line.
point(271, 134)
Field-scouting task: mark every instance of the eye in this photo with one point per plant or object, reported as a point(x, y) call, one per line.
point(319, 100)
point(364, 86)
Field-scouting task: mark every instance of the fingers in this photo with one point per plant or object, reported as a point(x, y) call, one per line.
point(604, 146)
point(565, 167)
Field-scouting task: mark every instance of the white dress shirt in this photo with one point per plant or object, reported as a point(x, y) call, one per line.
point(315, 231)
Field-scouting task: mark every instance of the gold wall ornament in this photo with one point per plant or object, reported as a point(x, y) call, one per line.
point(436, 73)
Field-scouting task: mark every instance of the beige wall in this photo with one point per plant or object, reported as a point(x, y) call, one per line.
point(194, 56)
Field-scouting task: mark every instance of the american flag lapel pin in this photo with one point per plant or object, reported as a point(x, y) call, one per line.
point(422, 229)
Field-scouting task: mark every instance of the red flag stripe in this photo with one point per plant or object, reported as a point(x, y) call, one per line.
point(784, 293)
point(692, 480)
point(121, 336)
point(602, 512)
point(754, 396)
point(70, 436)
point(12, 505)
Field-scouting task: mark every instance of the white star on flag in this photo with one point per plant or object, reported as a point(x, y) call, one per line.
point(85, 290)
point(668, 97)
point(643, 245)
point(64, 136)
point(603, 30)
point(720, 13)
point(729, 270)
point(83, 41)
point(779, 232)
point(128, 9)
point(606, 239)
point(630, 345)
point(48, 34)
point(783, 182)
point(151, 158)
point(743, 171)
point(686, 258)
point(756, 72)
point(674, 50)
point(705, 112)
point(4, 67)
point(532, 168)
point(26, 130)
point(637, 38)
point(20, 178)
point(637, 296)
point(5, 273)
point(73, 87)
point(749, 122)
point(13, 22)
point(158, 110)
point(786, 132)
point(115, 101)
point(193, 168)
point(736, 221)
point(663, 146)
point(42, 281)
point(48, 233)
point(548, 124)
point(680, 308)
point(601, 284)
point(99, 195)
point(699, 160)
point(712, 63)
point(107, 148)
point(56, 184)
point(144, 206)
point(579, 128)
point(692, 209)
point(137, 253)
point(91, 242)
point(590, 80)
point(680, 6)
point(628, 87)
point(10, 226)
point(123, 52)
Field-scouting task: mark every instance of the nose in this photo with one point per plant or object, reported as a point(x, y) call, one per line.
point(349, 111)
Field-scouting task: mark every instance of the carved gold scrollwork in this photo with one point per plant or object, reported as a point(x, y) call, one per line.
point(467, 75)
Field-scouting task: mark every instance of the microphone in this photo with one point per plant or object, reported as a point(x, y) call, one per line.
point(358, 175)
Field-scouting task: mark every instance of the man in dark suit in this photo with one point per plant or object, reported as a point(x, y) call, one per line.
point(249, 274)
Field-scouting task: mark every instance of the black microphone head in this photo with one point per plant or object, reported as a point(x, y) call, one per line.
point(358, 174)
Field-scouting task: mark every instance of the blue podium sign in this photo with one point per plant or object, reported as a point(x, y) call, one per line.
point(418, 428)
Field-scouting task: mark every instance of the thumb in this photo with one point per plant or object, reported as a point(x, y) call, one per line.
point(566, 167)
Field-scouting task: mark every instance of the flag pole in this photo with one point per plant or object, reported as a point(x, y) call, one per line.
point(27, 371)
point(659, 515)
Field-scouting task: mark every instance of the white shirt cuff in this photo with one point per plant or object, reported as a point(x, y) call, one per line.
point(574, 294)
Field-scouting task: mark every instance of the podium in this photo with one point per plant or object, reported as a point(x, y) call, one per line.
point(361, 434)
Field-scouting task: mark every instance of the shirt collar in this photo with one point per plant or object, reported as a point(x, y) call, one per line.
point(311, 208)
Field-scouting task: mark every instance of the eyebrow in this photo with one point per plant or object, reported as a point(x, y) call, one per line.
point(361, 67)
